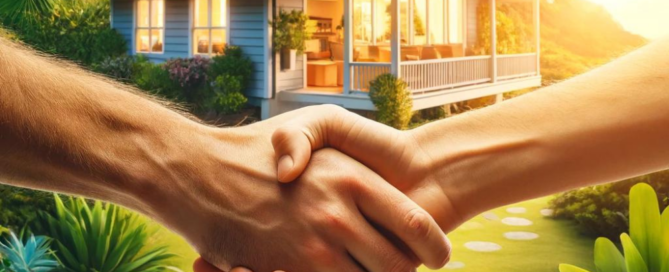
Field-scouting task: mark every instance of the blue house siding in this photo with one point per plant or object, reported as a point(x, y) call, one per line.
point(122, 20)
point(248, 24)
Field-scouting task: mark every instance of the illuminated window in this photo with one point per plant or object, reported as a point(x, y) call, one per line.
point(210, 26)
point(150, 26)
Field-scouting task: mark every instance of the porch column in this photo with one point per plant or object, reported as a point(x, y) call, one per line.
point(348, 44)
point(395, 39)
point(493, 39)
point(537, 23)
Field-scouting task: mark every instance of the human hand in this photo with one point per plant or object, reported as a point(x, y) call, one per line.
point(238, 215)
point(395, 155)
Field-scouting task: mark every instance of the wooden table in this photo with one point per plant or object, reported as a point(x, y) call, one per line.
point(322, 73)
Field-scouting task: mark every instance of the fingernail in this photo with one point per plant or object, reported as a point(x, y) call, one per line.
point(285, 165)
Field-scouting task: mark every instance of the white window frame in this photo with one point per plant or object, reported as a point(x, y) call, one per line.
point(149, 28)
point(209, 27)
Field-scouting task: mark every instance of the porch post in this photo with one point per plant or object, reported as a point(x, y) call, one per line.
point(493, 39)
point(348, 44)
point(395, 39)
point(537, 24)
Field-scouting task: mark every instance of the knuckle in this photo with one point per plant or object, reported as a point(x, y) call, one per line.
point(320, 253)
point(334, 219)
point(418, 224)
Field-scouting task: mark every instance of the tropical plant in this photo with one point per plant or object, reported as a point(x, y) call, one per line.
point(291, 30)
point(228, 97)
point(233, 62)
point(23, 11)
point(103, 237)
point(646, 249)
point(32, 256)
point(392, 99)
point(602, 210)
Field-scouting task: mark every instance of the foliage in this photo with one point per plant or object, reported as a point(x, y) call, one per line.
point(602, 210)
point(19, 207)
point(32, 256)
point(515, 33)
point(191, 75)
point(392, 99)
point(119, 68)
point(291, 30)
point(24, 11)
point(103, 237)
point(154, 79)
point(646, 249)
point(233, 62)
point(76, 30)
point(228, 97)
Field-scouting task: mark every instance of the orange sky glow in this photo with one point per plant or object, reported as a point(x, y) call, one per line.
point(648, 18)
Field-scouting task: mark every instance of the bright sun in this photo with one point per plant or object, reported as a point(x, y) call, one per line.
point(648, 18)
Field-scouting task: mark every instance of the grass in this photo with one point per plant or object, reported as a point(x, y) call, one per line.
point(559, 242)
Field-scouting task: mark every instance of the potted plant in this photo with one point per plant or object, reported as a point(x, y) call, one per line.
point(291, 30)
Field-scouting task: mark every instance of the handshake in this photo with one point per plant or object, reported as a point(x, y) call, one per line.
point(369, 197)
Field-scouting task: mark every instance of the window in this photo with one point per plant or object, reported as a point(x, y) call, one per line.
point(210, 26)
point(150, 26)
point(456, 21)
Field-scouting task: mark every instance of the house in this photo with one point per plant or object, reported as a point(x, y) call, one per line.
point(431, 44)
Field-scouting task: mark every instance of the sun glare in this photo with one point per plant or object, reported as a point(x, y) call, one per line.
point(648, 18)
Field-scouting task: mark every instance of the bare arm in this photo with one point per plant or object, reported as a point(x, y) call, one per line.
point(606, 125)
point(63, 129)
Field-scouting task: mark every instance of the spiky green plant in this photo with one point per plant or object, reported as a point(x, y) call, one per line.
point(646, 249)
point(32, 256)
point(22, 11)
point(103, 237)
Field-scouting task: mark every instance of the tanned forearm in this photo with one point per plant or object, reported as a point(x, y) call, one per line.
point(63, 129)
point(609, 124)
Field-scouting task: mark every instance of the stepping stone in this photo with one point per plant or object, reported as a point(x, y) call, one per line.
point(521, 235)
point(483, 246)
point(547, 212)
point(516, 221)
point(455, 265)
point(516, 210)
point(490, 216)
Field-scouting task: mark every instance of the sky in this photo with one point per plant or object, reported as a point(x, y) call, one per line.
point(648, 18)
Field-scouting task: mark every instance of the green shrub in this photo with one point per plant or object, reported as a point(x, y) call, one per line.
point(392, 99)
point(19, 207)
point(233, 62)
point(76, 30)
point(103, 237)
point(228, 97)
point(32, 256)
point(154, 79)
point(602, 210)
point(191, 75)
point(646, 248)
point(119, 68)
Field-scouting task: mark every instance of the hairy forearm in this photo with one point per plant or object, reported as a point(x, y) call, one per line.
point(63, 129)
point(606, 125)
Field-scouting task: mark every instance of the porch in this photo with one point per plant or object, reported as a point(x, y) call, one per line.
point(436, 46)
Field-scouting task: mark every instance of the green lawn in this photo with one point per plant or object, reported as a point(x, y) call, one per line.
point(558, 242)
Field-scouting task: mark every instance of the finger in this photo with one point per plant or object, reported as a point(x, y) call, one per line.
point(392, 210)
point(201, 265)
point(293, 147)
point(373, 251)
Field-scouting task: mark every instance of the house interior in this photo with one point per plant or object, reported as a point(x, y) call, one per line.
point(429, 29)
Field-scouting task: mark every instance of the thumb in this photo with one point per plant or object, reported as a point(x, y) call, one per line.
point(293, 145)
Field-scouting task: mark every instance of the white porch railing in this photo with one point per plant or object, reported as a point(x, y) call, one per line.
point(438, 74)
point(362, 73)
point(515, 66)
